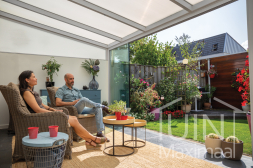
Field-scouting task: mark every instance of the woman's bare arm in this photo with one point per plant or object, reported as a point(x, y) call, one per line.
point(50, 108)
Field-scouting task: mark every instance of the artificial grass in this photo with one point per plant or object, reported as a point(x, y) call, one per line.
point(178, 129)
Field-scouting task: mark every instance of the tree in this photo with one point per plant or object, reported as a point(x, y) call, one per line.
point(190, 50)
point(148, 51)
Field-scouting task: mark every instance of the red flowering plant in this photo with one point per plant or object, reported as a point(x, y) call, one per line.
point(140, 101)
point(243, 79)
point(137, 84)
point(175, 114)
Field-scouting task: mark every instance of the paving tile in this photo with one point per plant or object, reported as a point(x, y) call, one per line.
point(190, 148)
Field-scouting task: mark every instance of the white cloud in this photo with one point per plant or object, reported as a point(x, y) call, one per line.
point(245, 44)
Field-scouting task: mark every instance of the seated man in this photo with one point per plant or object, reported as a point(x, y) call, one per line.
point(67, 95)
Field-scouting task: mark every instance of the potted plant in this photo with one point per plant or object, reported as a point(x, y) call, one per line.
point(211, 72)
point(92, 67)
point(190, 91)
point(52, 67)
point(117, 108)
point(209, 95)
point(154, 108)
point(232, 148)
point(213, 144)
point(123, 116)
point(243, 79)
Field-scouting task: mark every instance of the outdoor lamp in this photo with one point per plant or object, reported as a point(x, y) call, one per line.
point(185, 61)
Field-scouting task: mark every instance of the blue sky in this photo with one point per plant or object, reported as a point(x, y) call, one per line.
point(231, 18)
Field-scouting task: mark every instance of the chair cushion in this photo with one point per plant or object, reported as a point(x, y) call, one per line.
point(44, 99)
point(16, 87)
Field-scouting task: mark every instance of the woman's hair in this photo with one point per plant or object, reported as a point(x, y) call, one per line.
point(23, 85)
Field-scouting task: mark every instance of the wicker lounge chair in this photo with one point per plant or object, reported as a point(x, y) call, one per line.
point(88, 121)
point(23, 119)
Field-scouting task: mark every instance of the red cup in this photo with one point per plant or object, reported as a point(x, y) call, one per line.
point(118, 115)
point(124, 117)
point(33, 132)
point(53, 130)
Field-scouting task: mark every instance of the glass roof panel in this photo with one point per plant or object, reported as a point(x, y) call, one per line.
point(26, 14)
point(83, 15)
point(144, 12)
point(193, 2)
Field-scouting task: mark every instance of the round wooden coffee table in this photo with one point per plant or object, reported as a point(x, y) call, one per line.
point(111, 120)
point(137, 124)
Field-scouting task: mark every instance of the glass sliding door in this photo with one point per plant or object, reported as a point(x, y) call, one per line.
point(119, 74)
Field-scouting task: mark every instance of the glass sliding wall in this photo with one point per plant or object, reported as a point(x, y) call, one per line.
point(119, 74)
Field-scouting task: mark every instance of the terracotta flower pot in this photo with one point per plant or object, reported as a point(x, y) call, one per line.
point(186, 108)
point(212, 75)
point(232, 151)
point(213, 146)
point(207, 105)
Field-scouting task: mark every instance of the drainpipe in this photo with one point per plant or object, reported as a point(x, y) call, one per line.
point(249, 7)
point(209, 80)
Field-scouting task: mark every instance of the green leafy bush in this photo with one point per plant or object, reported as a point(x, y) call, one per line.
point(141, 101)
point(209, 95)
point(144, 116)
point(167, 89)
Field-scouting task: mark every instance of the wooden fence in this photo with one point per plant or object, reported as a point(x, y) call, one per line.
point(153, 74)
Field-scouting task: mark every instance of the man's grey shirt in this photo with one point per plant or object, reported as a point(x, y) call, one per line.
point(68, 95)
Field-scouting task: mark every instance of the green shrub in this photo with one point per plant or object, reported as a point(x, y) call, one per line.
point(167, 89)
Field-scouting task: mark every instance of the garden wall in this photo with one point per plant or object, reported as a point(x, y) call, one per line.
point(225, 66)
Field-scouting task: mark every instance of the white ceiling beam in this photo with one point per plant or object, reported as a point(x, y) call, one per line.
point(62, 19)
point(108, 13)
point(52, 30)
point(177, 18)
point(183, 4)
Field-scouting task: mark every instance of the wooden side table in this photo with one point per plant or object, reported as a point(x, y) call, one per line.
point(137, 124)
point(111, 120)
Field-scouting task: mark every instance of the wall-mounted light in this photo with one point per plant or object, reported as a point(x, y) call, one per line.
point(185, 61)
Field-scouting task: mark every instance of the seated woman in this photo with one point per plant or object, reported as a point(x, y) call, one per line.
point(27, 81)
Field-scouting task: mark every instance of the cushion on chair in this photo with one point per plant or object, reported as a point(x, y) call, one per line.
point(16, 87)
point(44, 99)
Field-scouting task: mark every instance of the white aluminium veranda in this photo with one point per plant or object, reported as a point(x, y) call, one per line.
point(105, 23)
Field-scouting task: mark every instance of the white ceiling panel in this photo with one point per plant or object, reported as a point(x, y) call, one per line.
point(193, 2)
point(145, 12)
point(26, 14)
point(83, 15)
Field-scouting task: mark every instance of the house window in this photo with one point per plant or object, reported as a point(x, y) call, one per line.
point(215, 47)
point(198, 50)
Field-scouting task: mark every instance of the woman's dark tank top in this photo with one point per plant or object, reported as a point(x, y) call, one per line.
point(37, 98)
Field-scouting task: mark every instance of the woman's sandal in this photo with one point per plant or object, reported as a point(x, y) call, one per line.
point(89, 146)
point(103, 140)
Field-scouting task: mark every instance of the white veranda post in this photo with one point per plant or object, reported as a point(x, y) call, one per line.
point(250, 40)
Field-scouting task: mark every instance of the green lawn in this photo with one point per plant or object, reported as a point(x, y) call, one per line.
point(178, 129)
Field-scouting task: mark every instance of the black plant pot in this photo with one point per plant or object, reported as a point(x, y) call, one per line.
point(49, 84)
point(93, 85)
